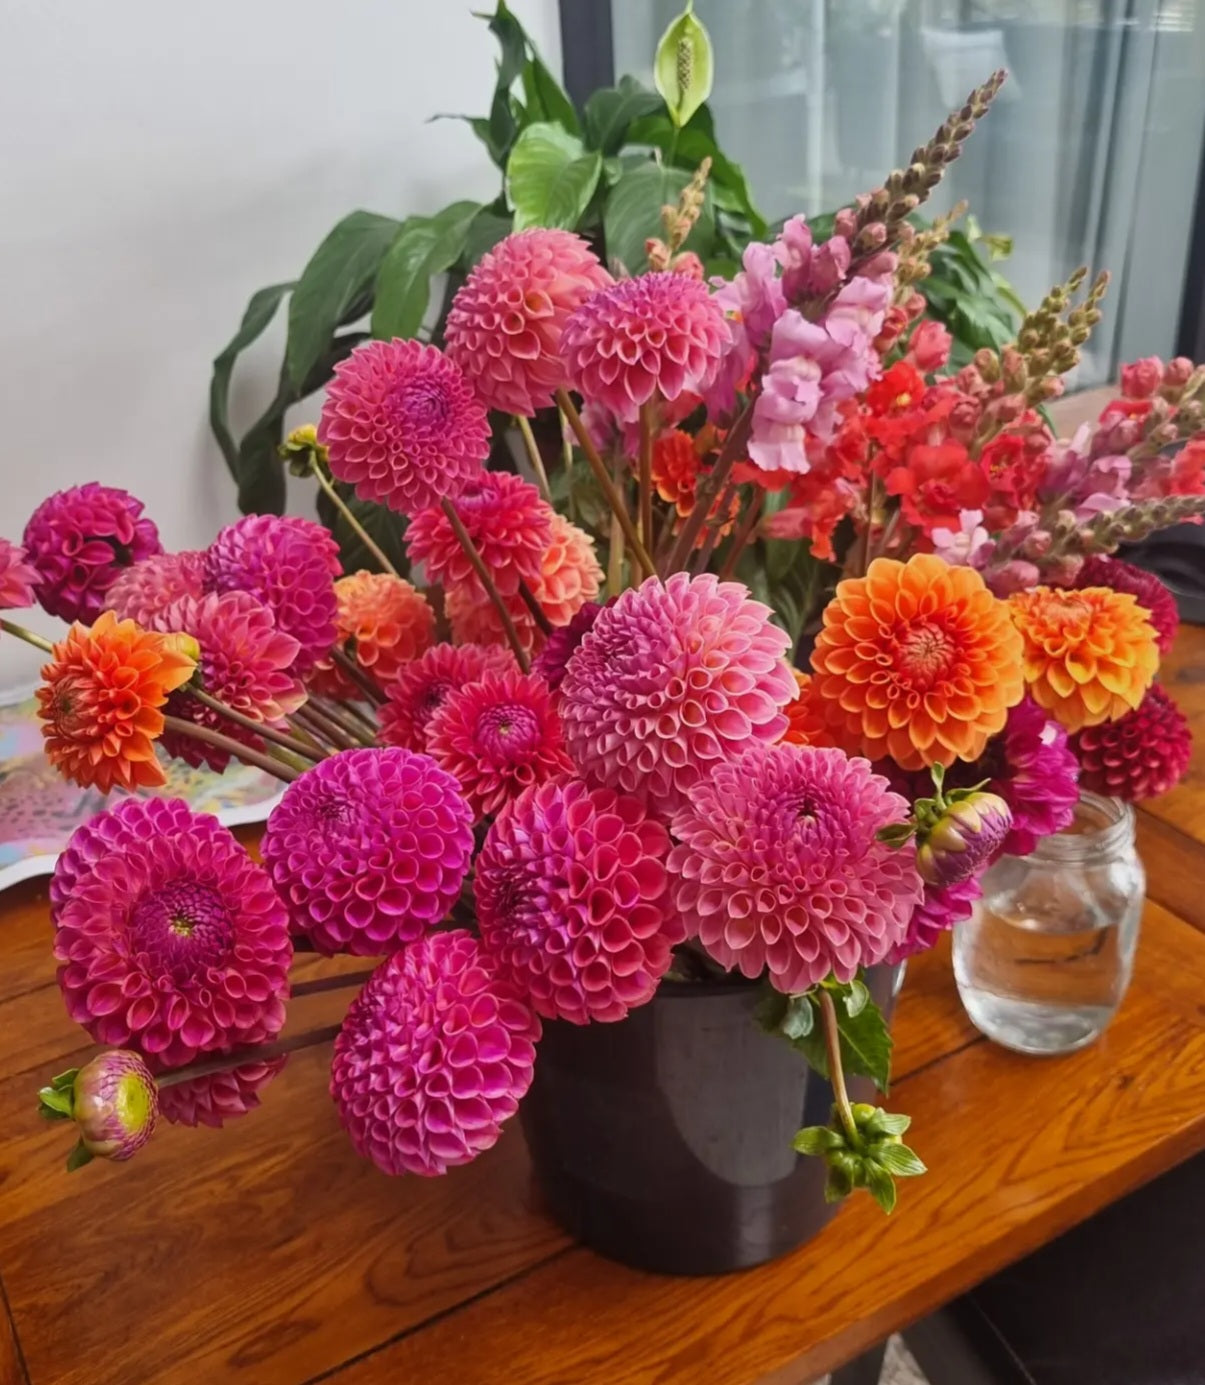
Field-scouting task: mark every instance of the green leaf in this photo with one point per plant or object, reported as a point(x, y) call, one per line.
point(340, 271)
point(386, 529)
point(817, 1140)
point(512, 40)
point(486, 229)
point(887, 1123)
point(865, 1045)
point(260, 312)
point(881, 1186)
point(687, 149)
point(800, 1018)
point(856, 999)
point(771, 1009)
point(610, 112)
point(78, 1157)
point(65, 1080)
point(425, 245)
point(550, 177)
point(899, 1160)
point(56, 1103)
point(683, 67)
point(547, 96)
point(633, 214)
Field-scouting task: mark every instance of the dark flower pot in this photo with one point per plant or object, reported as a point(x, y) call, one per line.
point(664, 1141)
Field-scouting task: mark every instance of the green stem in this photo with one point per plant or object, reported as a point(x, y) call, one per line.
point(357, 675)
point(534, 457)
point(483, 576)
point(267, 733)
point(27, 635)
point(647, 424)
point(319, 724)
point(342, 715)
point(341, 505)
point(257, 1053)
point(836, 1073)
point(567, 454)
point(236, 748)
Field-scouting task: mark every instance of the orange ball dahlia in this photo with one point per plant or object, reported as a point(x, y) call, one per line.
point(918, 662)
point(100, 702)
point(1089, 655)
point(384, 622)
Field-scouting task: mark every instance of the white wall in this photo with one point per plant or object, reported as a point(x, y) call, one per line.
point(161, 161)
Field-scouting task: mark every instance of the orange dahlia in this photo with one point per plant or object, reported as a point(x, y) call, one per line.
point(100, 700)
point(918, 662)
point(805, 715)
point(383, 621)
point(676, 468)
point(1090, 655)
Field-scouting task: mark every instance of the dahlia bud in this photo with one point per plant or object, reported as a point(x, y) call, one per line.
point(114, 1101)
point(956, 839)
point(301, 450)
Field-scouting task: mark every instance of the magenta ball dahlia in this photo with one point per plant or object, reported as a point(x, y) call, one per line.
point(1141, 755)
point(246, 662)
point(510, 525)
point(402, 425)
point(435, 1053)
point(422, 687)
point(79, 541)
point(574, 901)
point(171, 940)
point(672, 679)
point(498, 737)
point(778, 865)
point(552, 661)
point(659, 334)
point(504, 328)
point(1144, 587)
point(142, 593)
point(218, 1096)
point(938, 911)
point(290, 564)
point(18, 578)
point(369, 849)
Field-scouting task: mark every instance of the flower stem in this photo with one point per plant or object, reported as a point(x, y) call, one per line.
point(487, 581)
point(615, 548)
point(346, 718)
point(647, 423)
point(533, 456)
point(267, 733)
point(836, 1073)
point(740, 540)
point(319, 724)
point(338, 982)
point(714, 530)
point(357, 675)
point(734, 445)
point(240, 751)
point(605, 484)
point(344, 509)
point(531, 601)
point(27, 635)
point(256, 1053)
point(567, 454)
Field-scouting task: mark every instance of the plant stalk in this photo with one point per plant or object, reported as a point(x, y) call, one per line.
point(27, 635)
point(485, 578)
point(533, 456)
point(332, 492)
point(321, 725)
point(256, 1053)
point(836, 1073)
point(538, 614)
point(734, 445)
point(740, 540)
point(267, 733)
point(647, 423)
point(236, 748)
point(357, 675)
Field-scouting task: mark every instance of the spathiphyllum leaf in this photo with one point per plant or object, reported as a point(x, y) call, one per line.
point(683, 67)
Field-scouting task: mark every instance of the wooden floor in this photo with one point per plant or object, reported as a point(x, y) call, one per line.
point(270, 1253)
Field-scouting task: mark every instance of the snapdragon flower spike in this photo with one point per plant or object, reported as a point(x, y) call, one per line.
point(114, 1102)
point(958, 832)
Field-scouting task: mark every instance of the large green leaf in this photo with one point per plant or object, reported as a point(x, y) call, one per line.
point(339, 272)
point(611, 111)
point(426, 245)
point(633, 214)
point(546, 99)
point(487, 228)
point(260, 311)
point(503, 126)
point(550, 177)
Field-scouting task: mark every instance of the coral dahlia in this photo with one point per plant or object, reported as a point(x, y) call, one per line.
point(435, 1053)
point(290, 565)
point(79, 540)
point(384, 623)
point(402, 425)
point(917, 661)
point(498, 736)
point(569, 574)
point(672, 678)
point(1145, 587)
point(658, 334)
point(369, 849)
point(778, 865)
point(100, 699)
point(422, 687)
point(1140, 755)
point(1089, 655)
point(504, 327)
point(174, 943)
point(143, 592)
point(573, 900)
point(18, 578)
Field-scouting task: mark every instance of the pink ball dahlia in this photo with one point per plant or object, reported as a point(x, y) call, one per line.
point(422, 687)
point(435, 1053)
point(173, 941)
point(369, 849)
point(18, 578)
point(246, 662)
point(656, 335)
point(219, 1096)
point(779, 865)
point(290, 565)
point(79, 540)
point(573, 900)
point(498, 737)
point(1141, 755)
point(552, 661)
point(402, 425)
point(673, 679)
point(508, 521)
point(384, 623)
point(938, 911)
point(143, 592)
point(504, 329)
point(1145, 587)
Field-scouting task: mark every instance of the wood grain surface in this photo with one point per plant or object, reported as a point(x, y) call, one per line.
point(268, 1252)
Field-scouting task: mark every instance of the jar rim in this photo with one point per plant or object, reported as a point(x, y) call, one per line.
point(1102, 824)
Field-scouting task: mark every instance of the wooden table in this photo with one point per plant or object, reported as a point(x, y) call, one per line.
point(268, 1252)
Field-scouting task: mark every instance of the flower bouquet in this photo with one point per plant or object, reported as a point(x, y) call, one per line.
point(575, 771)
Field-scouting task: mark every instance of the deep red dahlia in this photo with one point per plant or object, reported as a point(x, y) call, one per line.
point(1141, 755)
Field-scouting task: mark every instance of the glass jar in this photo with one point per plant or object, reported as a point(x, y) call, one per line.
point(1045, 959)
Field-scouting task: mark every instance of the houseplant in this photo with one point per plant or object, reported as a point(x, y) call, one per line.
point(586, 801)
